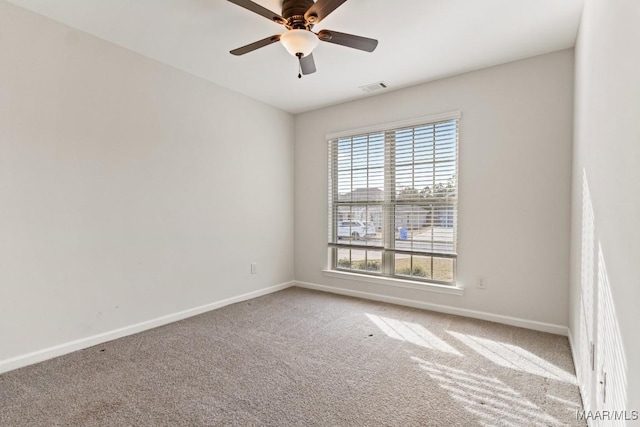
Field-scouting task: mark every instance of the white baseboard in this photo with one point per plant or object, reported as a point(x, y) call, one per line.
point(574, 355)
point(498, 318)
point(579, 370)
point(62, 349)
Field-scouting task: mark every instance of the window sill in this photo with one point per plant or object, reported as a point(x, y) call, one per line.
point(395, 282)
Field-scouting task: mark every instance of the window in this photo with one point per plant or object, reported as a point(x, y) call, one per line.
point(393, 198)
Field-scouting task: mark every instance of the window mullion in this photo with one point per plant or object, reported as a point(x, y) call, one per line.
point(333, 198)
point(389, 202)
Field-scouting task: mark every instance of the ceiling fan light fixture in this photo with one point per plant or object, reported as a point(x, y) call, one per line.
point(299, 42)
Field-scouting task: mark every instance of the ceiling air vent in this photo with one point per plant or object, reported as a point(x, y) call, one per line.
point(374, 87)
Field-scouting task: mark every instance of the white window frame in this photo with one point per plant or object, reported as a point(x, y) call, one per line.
point(386, 276)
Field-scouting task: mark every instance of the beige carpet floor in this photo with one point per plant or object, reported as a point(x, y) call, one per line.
point(305, 358)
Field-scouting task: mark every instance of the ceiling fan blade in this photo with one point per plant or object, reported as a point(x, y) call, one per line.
point(349, 40)
point(255, 45)
point(307, 64)
point(256, 8)
point(321, 9)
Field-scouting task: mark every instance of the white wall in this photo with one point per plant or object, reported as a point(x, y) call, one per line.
point(515, 174)
point(129, 190)
point(607, 154)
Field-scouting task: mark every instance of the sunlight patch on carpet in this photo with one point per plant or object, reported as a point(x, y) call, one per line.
point(514, 357)
point(412, 333)
point(486, 397)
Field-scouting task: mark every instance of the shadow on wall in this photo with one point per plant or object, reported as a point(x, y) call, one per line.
point(602, 364)
point(612, 363)
point(586, 340)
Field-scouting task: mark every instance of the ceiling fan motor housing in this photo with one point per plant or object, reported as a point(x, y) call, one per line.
point(293, 11)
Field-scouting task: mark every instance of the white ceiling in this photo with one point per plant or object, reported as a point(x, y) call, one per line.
point(420, 40)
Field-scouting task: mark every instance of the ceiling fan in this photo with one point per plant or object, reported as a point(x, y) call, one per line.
point(299, 17)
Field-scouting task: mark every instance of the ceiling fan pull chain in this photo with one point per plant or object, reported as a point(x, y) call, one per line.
point(299, 55)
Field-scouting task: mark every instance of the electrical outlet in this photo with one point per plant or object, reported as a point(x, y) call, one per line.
point(254, 268)
point(482, 283)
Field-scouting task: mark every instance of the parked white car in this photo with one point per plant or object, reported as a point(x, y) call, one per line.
point(356, 229)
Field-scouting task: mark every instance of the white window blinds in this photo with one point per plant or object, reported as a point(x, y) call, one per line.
point(393, 201)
